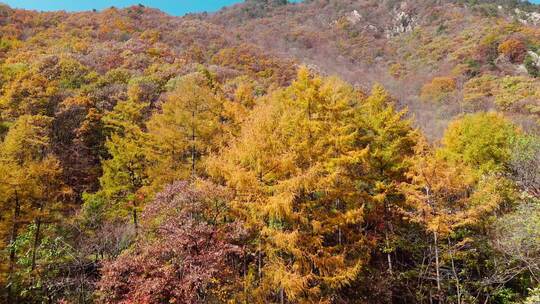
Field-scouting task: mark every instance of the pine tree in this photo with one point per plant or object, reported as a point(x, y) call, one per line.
point(450, 200)
point(15, 214)
point(124, 172)
point(34, 191)
point(437, 197)
point(390, 139)
point(185, 130)
point(293, 169)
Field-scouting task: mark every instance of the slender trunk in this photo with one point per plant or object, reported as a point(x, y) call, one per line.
point(37, 236)
point(388, 256)
point(193, 144)
point(12, 254)
point(135, 185)
point(388, 251)
point(310, 136)
point(259, 261)
point(36, 242)
point(281, 295)
point(436, 247)
point(135, 218)
point(338, 228)
point(458, 288)
point(244, 270)
point(387, 238)
point(244, 266)
point(82, 279)
point(309, 110)
point(437, 270)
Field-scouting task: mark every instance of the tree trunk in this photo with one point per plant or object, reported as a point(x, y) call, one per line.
point(135, 185)
point(259, 262)
point(281, 295)
point(193, 144)
point(244, 270)
point(12, 254)
point(388, 256)
point(135, 218)
point(458, 288)
point(437, 266)
point(37, 237)
point(387, 238)
point(388, 252)
point(436, 245)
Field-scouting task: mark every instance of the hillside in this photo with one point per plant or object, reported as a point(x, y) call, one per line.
point(405, 45)
point(326, 151)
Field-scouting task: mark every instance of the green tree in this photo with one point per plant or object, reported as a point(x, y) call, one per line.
point(34, 189)
point(124, 171)
point(188, 127)
point(390, 139)
point(483, 141)
point(453, 204)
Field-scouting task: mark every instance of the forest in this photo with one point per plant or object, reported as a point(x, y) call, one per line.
point(325, 151)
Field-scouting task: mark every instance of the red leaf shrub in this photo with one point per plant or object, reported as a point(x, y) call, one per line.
point(188, 256)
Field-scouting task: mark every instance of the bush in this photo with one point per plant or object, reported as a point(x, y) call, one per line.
point(513, 49)
point(530, 65)
point(440, 89)
point(505, 91)
point(482, 140)
point(534, 296)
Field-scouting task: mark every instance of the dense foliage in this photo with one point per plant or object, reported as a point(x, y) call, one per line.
point(209, 158)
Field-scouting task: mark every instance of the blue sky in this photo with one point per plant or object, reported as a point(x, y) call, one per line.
point(174, 7)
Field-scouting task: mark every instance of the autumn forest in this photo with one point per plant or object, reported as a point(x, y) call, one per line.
point(325, 151)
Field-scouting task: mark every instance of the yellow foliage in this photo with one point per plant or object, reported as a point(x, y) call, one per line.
point(482, 141)
point(397, 70)
point(514, 49)
point(440, 89)
point(438, 193)
point(506, 91)
point(296, 167)
point(294, 160)
point(186, 130)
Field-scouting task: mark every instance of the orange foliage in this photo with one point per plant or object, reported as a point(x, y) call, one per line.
point(514, 49)
point(439, 89)
point(251, 60)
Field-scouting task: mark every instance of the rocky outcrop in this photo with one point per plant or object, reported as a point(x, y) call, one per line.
point(354, 17)
point(403, 22)
point(530, 18)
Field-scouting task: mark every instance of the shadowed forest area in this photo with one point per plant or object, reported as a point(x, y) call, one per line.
point(328, 151)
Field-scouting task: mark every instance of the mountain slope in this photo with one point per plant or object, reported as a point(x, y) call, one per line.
point(328, 151)
point(405, 45)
